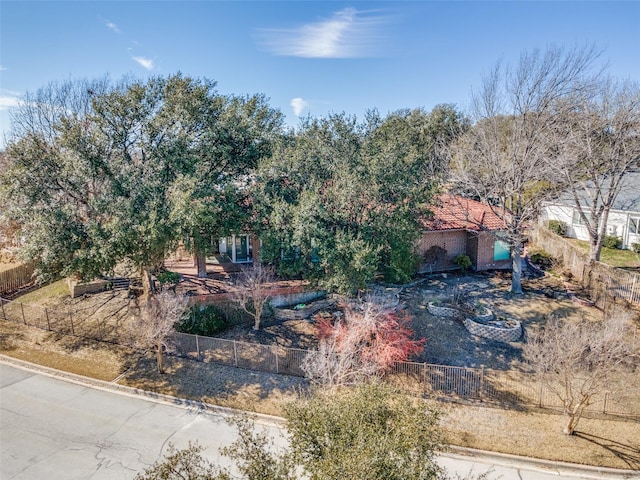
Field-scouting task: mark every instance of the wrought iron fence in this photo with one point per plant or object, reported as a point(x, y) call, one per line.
point(463, 383)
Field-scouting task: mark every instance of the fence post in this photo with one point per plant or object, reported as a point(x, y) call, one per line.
point(197, 348)
point(604, 404)
point(424, 378)
point(24, 319)
point(4, 315)
point(73, 331)
point(46, 314)
point(235, 354)
point(275, 353)
point(540, 394)
point(481, 392)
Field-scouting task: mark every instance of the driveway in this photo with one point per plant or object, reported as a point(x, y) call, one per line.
point(55, 428)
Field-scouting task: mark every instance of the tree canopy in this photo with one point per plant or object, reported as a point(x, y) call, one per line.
point(342, 200)
point(126, 170)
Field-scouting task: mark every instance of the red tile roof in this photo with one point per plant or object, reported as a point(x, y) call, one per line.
point(453, 212)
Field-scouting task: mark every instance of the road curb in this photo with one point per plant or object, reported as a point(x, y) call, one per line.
point(545, 466)
point(136, 392)
point(533, 464)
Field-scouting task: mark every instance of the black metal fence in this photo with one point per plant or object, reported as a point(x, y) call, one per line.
point(464, 383)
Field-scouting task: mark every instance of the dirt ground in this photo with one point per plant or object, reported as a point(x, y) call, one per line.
point(447, 340)
point(610, 442)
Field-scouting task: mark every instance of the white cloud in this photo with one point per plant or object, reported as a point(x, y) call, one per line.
point(112, 26)
point(298, 105)
point(144, 62)
point(7, 102)
point(3, 68)
point(347, 34)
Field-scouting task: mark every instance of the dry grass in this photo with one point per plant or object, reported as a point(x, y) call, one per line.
point(611, 443)
point(599, 442)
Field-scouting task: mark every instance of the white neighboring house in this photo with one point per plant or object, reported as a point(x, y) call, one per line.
point(624, 217)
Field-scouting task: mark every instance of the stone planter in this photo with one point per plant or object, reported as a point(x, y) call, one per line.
point(485, 317)
point(439, 311)
point(509, 332)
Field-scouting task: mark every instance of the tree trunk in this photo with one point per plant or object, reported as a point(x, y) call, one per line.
point(570, 426)
point(148, 286)
point(516, 274)
point(201, 263)
point(596, 240)
point(200, 253)
point(257, 316)
point(595, 248)
point(159, 357)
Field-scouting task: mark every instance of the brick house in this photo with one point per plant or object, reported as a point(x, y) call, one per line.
point(461, 226)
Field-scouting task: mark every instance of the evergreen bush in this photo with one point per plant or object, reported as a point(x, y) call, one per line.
point(558, 227)
point(611, 241)
point(203, 320)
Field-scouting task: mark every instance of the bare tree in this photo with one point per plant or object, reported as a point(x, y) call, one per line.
point(153, 327)
point(252, 290)
point(502, 160)
point(38, 113)
point(370, 338)
point(599, 145)
point(580, 361)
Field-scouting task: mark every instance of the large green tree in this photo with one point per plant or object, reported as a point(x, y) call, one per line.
point(107, 180)
point(213, 199)
point(342, 200)
point(369, 432)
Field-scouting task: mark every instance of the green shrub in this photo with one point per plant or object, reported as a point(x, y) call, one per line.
point(611, 241)
point(558, 227)
point(635, 247)
point(542, 258)
point(168, 278)
point(463, 261)
point(203, 320)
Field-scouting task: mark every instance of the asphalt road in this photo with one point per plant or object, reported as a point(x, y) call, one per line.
point(53, 428)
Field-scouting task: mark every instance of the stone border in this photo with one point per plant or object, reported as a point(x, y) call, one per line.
point(442, 311)
point(492, 332)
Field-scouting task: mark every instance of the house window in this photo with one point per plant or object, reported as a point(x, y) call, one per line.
point(634, 225)
point(237, 248)
point(501, 251)
point(577, 218)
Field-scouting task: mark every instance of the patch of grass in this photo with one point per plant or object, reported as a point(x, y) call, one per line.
point(55, 290)
point(525, 432)
point(612, 256)
point(607, 443)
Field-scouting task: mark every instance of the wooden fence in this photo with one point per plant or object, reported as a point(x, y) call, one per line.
point(606, 284)
point(16, 278)
point(461, 383)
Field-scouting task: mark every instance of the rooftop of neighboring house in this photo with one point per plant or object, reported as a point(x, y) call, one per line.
point(453, 212)
point(627, 200)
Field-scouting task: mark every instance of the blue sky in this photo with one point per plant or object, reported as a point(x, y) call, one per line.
point(307, 57)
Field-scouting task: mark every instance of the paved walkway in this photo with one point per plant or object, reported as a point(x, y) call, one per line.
point(56, 425)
